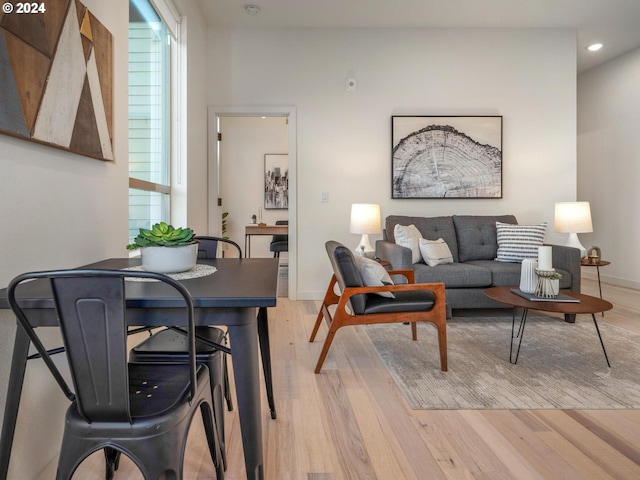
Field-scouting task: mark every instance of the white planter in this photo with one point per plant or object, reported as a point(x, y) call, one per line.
point(555, 286)
point(169, 259)
point(528, 277)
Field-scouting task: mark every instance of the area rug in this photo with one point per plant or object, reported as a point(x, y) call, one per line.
point(561, 365)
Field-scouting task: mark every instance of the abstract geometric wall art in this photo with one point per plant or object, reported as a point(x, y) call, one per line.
point(446, 157)
point(56, 78)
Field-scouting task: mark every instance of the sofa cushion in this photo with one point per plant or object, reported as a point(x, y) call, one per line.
point(409, 237)
point(430, 228)
point(476, 234)
point(517, 242)
point(502, 274)
point(435, 252)
point(453, 275)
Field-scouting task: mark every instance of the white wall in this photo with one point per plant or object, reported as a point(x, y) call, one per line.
point(609, 163)
point(528, 76)
point(60, 210)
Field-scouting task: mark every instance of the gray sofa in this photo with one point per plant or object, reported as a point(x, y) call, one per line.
point(473, 243)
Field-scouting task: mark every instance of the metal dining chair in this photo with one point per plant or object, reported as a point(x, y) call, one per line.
point(169, 345)
point(143, 410)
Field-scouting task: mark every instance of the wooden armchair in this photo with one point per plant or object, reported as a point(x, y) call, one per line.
point(362, 305)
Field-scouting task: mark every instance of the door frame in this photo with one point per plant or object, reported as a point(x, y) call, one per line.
point(214, 113)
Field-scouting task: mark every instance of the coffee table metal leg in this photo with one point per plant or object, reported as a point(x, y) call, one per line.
point(593, 315)
point(517, 335)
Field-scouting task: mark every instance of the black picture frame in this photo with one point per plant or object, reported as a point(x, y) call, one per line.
point(276, 181)
point(449, 156)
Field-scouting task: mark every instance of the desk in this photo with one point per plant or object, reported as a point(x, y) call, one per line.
point(258, 230)
point(231, 296)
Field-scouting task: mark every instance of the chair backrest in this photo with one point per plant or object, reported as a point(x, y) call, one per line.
point(280, 238)
point(346, 272)
point(91, 309)
point(208, 246)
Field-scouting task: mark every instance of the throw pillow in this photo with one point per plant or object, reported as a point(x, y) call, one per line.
point(517, 242)
point(409, 237)
point(435, 252)
point(373, 274)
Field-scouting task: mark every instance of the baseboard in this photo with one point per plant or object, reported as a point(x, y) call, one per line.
point(611, 280)
point(310, 295)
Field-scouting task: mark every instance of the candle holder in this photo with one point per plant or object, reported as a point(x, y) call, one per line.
point(544, 289)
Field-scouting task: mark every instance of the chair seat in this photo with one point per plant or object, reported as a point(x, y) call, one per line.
point(409, 301)
point(168, 385)
point(166, 344)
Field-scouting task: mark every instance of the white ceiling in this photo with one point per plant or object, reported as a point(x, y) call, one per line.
point(615, 23)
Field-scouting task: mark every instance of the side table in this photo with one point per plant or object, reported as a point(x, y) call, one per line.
point(601, 263)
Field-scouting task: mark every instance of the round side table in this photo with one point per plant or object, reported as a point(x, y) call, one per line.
point(600, 263)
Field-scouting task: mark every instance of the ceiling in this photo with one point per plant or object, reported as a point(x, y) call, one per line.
point(614, 23)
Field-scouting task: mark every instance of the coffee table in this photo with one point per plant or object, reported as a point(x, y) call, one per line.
point(586, 305)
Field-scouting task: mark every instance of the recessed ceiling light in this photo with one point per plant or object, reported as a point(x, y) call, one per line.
point(252, 9)
point(594, 47)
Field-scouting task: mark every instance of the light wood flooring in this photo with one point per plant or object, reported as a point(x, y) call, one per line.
point(351, 422)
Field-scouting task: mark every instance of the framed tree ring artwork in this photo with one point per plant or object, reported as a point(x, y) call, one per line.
point(446, 156)
point(276, 181)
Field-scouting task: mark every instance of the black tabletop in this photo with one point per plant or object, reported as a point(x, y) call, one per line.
point(245, 282)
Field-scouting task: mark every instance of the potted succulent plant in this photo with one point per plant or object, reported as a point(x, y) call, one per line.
point(166, 249)
point(555, 283)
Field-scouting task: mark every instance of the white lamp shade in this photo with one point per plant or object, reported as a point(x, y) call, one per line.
point(573, 217)
point(365, 218)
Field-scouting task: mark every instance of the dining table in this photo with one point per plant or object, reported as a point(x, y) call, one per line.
point(228, 292)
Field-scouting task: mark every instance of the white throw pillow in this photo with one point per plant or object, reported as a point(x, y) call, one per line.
point(517, 242)
point(409, 237)
point(435, 252)
point(373, 274)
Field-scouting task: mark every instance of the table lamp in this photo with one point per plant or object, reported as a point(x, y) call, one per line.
point(573, 218)
point(365, 220)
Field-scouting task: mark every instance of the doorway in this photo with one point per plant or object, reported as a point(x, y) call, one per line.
point(246, 197)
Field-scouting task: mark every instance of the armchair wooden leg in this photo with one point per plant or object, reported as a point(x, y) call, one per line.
point(442, 344)
point(314, 332)
point(330, 298)
point(414, 331)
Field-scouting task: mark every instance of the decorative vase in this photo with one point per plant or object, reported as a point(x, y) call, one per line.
point(528, 277)
point(169, 259)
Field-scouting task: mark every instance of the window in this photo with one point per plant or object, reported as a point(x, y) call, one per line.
point(150, 44)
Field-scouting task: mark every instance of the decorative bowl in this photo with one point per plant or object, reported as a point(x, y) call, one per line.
point(169, 259)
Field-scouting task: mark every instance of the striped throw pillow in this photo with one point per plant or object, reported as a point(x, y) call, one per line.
point(517, 242)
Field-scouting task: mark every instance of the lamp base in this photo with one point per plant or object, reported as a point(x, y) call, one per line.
point(574, 242)
point(364, 248)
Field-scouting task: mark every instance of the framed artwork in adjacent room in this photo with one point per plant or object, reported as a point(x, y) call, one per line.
point(276, 181)
point(446, 156)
